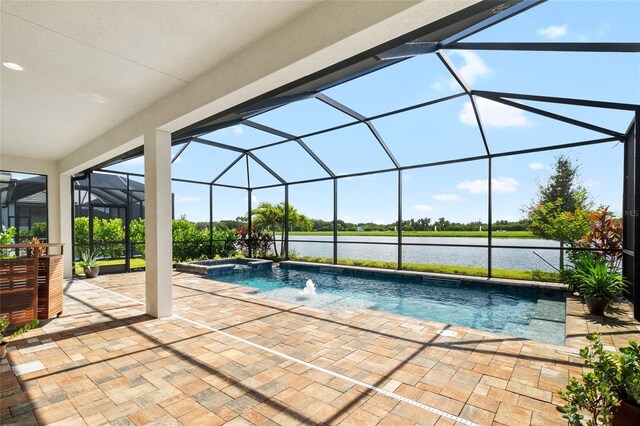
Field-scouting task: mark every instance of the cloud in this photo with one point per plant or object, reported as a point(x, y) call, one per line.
point(500, 185)
point(187, 199)
point(407, 177)
point(380, 222)
point(536, 166)
point(441, 83)
point(238, 130)
point(447, 197)
point(553, 32)
point(423, 208)
point(254, 199)
point(472, 68)
point(493, 114)
point(590, 183)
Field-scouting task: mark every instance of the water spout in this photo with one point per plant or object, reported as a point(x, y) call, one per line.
point(309, 289)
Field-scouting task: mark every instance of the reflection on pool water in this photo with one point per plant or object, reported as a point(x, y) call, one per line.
point(516, 311)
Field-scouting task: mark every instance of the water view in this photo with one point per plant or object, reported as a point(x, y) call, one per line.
point(503, 258)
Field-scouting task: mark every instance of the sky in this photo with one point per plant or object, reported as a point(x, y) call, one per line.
point(443, 131)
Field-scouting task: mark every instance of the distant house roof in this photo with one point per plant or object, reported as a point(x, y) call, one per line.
point(106, 189)
point(111, 189)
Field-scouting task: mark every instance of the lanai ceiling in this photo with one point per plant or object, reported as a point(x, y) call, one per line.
point(90, 65)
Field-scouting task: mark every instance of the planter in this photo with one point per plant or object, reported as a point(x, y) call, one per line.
point(596, 305)
point(3, 350)
point(627, 414)
point(91, 272)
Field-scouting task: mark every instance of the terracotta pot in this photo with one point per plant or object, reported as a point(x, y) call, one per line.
point(3, 350)
point(91, 272)
point(597, 306)
point(627, 414)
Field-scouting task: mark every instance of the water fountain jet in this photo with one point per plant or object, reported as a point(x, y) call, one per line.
point(309, 289)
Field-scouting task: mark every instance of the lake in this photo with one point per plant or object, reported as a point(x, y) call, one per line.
point(503, 258)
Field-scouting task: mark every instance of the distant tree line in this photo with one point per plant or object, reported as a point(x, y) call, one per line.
point(422, 224)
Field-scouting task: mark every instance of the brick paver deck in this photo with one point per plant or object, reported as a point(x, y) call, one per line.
point(105, 361)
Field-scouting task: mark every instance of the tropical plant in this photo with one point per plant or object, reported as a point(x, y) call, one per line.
point(611, 379)
point(595, 278)
point(259, 243)
point(605, 234)
point(88, 259)
point(272, 217)
point(39, 250)
point(630, 371)
point(4, 325)
point(597, 392)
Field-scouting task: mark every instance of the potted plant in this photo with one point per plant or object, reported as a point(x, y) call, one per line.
point(598, 282)
point(4, 338)
point(610, 392)
point(629, 411)
point(89, 263)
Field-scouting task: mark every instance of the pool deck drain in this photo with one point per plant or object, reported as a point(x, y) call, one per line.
point(310, 365)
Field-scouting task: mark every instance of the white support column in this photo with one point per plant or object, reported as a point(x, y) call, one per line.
point(157, 198)
point(64, 195)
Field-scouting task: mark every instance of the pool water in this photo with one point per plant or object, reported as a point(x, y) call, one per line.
point(521, 312)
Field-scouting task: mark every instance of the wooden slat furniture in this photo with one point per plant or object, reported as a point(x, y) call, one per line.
point(49, 287)
point(50, 282)
point(19, 288)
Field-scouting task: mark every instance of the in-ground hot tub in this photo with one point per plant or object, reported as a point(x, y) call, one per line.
point(214, 268)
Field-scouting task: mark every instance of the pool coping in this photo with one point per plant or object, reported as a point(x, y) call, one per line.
point(217, 267)
point(404, 273)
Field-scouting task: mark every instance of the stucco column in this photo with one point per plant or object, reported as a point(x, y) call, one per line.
point(157, 198)
point(64, 195)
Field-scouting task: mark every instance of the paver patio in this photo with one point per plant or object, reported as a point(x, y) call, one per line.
point(105, 361)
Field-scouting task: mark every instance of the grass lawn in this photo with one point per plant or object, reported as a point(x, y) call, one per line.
point(134, 264)
point(443, 269)
point(471, 234)
point(534, 275)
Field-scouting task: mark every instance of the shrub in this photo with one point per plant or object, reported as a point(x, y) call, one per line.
point(7, 237)
point(188, 241)
point(108, 237)
point(224, 242)
point(136, 236)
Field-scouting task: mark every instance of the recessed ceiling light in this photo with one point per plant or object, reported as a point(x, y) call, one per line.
point(13, 66)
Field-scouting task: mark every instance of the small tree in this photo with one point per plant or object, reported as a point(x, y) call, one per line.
point(559, 212)
point(550, 222)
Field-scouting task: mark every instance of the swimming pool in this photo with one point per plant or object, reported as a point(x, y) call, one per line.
point(516, 311)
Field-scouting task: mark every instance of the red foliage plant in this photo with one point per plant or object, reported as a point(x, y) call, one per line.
point(606, 235)
point(260, 242)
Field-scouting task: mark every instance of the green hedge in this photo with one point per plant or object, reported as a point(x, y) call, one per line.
point(189, 242)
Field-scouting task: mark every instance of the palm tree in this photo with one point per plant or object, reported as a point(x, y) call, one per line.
point(272, 217)
point(268, 217)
